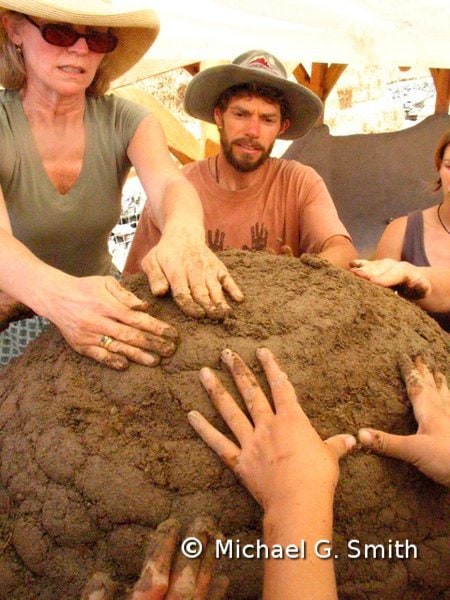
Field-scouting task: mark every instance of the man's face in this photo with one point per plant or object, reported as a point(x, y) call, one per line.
point(248, 129)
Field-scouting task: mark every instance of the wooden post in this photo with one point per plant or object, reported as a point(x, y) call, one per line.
point(321, 81)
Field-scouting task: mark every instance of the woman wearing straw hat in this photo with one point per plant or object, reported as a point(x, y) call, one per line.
point(66, 151)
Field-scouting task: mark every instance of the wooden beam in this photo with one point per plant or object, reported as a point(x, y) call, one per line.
point(192, 69)
point(441, 78)
point(321, 81)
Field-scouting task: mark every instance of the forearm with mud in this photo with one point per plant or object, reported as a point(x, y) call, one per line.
point(308, 520)
point(26, 278)
point(180, 210)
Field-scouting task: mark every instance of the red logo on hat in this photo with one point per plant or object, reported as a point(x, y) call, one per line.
point(261, 62)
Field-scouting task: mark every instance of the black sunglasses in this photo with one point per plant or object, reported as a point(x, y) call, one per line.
point(59, 34)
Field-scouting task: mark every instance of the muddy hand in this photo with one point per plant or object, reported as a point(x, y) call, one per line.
point(429, 448)
point(402, 276)
point(99, 587)
point(101, 319)
point(169, 575)
point(279, 454)
point(196, 277)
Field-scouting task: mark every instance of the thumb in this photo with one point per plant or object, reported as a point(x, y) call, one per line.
point(341, 444)
point(397, 446)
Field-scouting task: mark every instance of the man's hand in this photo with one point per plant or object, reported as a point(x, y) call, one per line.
point(280, 456)
point(387, 272)
point(196, 277)
point(429, 448)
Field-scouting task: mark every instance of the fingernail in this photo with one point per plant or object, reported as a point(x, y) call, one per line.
point(193, 415)
point(151, 361)
point(170, 333)
point(262, 352)
point(227, 356)
point(350, 442)
point(205, 374)
point(366, 437)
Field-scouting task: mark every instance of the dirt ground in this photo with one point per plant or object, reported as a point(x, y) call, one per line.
point(92, 459)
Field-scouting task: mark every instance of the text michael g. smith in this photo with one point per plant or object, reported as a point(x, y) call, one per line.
point(322, 549)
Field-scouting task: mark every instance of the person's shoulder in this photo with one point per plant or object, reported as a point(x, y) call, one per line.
point(290, 168)
point(291, 165)
point(8, 100)
point(8, 97)
point(194, 167)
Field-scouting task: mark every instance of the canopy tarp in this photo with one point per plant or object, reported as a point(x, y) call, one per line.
point(414, 33)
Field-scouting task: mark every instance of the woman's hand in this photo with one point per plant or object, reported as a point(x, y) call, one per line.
point(280, 456)
point(429, 448)
point(183, 262)
point(388, 273)
point(101, 319)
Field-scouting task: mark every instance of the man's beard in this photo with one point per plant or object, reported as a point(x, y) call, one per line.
point(246, 163)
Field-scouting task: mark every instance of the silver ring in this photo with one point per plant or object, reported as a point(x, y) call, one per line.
point(106, 341)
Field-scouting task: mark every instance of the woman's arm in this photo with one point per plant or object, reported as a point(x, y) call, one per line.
point(182, 259)
point(85, 309)
point(391, 241)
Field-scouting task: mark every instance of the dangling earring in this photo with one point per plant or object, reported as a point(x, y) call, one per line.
point(19, 51)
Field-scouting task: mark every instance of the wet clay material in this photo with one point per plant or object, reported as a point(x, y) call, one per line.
point(92, 459)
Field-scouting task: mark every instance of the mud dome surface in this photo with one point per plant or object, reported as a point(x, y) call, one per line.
point(92, 459)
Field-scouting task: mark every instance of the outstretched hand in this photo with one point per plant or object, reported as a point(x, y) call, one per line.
point(389, 273)
point(279, 455)
point(195, 275)
point(429, 448)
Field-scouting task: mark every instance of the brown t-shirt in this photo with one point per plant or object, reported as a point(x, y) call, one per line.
point(288, 206)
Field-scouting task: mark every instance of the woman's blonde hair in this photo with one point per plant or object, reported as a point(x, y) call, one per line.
point(12, 67)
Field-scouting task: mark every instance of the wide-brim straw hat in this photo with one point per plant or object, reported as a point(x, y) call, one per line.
point(257, 66)
point(135, 27)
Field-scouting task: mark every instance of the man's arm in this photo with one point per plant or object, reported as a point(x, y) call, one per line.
point(339, 251)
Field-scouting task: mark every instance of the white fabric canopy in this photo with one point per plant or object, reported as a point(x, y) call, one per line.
point(414, 33)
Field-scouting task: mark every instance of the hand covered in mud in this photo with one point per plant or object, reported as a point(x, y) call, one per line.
point(101, 319)
point(280, 455)
point(12, 310)
point(403, 276)
point(195, 275)
point(429, 448)
point(168, 574)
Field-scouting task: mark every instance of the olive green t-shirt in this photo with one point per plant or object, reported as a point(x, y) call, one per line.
point(70, 231)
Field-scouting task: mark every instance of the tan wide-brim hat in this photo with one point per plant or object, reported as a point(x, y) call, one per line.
point(257, 66)
point(135, 27)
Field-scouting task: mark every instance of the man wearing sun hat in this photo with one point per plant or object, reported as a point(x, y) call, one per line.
point(250, 200)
